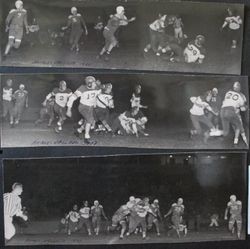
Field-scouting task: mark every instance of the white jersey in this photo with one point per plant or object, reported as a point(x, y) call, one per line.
point(234, 22)
point(87, 96)
point(193, 53)
point(234, 99)
point(198, 106)
point(7, 94)
point(73, 216)
point(85, 212)
point(12, 205)
point(61, 96)
point(105, 100)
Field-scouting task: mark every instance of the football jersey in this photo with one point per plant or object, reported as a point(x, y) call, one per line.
point(120, 214)
point(73, 216)
point(105, 100)
point(234, 99)
point(155, 209)
point(87, 96)
point(158, 25)
point(20, 96)
point(12, 204)
point(61, 97)
point(234, 22)
point(178, 23)
point(97, 211)
point(85, 212)
point(17, 17)
point(193, 53)
point(177, 210)
point(235, 207)
point(198, 107)
point(7, 93)
point(142, 210)
point(75, 21)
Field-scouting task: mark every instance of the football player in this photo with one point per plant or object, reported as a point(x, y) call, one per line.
point(178, 29)
point(153, 219)
point(15, 22)
point(21, 102)
point(73, 218)
point(198, 117)
point(234, 207)
point(85, 217)
point(157, 32)
point(8, 105)
point(176, 211)
point(12, 207)
point(47, 110)
point(76, 23)
point(104, 102)
point(61, 95)
point(234, 102)
point(97, 212)
point(87, 93)
point(119, 220)
point(195, 51)
point(115, 21)
point(136, 98)
point(233, 24)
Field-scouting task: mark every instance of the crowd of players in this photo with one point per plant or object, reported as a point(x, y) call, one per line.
point(162, 42)
point(211, 114)
point(209, 110)
point(137, 215)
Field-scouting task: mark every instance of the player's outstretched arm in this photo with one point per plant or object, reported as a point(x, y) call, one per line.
point(226, 213)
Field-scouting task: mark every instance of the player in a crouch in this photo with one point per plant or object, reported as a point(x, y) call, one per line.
point(76, 23)
point(15, 23)
point(153, 218)
point(234, 208)
point(233, 24)
point(97, 212)
point(12, 207)
point(176, 211)
point(47, 110)
point(234, 102)
point(104, 102)
point(85, 213)
point(20, 97)
point(8, 105)
point(73, 219)
point(61, 95)
point(115, 21)
point(198, 117)
point(87, 93)
point(119, 220)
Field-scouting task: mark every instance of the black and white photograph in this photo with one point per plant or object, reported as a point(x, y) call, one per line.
point(125, 110)
point(125, 199)
point(156, 35)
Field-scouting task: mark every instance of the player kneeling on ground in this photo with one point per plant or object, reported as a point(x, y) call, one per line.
point(15, 21)
point(195, 51)
point(130, 122)
point(234, 207)
point(73, 218)
point(12, 207)
point(119, 220)
point(104, 102)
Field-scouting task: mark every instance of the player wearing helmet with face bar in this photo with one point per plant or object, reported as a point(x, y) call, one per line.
point(87, 93)
point(115, 21)
point(76, 23)
point(15, 22)
point(234, 208)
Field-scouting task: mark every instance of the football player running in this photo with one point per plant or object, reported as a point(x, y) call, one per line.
point(234, 102)
point(76, 23)
point(15, 23)
point(87, 93)
point(61, 95)
point(234, 208)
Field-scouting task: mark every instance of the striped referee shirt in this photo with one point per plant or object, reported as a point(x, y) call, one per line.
point(12, 205)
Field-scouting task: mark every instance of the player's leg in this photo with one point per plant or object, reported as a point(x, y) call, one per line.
point(51, 116)
point(196, 125)
point(77, 40)
point(87, 224)
point(157, 226)
point(144, 227)
point(9, 228)
point(239, 226)
point(231, 223)
point(123, 228)
point(242, 130)
point(11, 41)
point(106, 35)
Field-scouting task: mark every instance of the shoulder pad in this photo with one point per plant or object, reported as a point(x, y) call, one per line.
point(93, 207)
point(182, 206)
point(24, 10)
point(100, 206)
point(70, 16)
point(78, 14)
point(239, 202)
point(174, 204)
point(229, 203)
point(12, 11)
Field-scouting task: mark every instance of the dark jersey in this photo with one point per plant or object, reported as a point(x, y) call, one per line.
point(17, 18)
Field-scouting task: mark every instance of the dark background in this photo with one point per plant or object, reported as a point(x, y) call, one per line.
point(57, 152)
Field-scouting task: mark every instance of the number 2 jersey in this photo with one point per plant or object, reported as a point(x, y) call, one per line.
point(234, 99)
point(61, 96)
point(193, 53)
